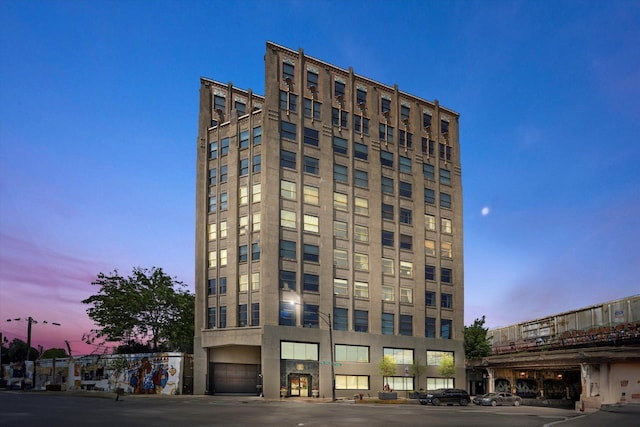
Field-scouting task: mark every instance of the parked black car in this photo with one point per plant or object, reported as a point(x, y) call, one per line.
point(445, 395)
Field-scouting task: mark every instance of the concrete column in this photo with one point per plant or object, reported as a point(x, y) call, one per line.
point(491, 386)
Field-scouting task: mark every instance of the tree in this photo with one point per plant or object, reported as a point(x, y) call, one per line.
point(54, 352)
point(149, 307)
point(416, 369)
point(387, 367)
point(17, 351)
point(447, 368)
point(476, 344)
point(119, 366)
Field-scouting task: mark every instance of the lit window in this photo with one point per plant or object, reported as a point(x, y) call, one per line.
point(255, 281)
point(388, 293)
point(361, 262)
point(256, 193)
point(340, 202)
point(311, 223)
point(406, 295)
point(340, 287)
point(387, 266)
point(288, 190)
point(406, 269)
point(243, 283)
point(352, 353)
point(223, 229)
point(430, 247)
point(340, 258)
point(360, 233)
point(244, 195)
point(223, 257)
point(287, 219)
point(445, 225)
point(340, 229)
point(212, 231)
point(311, 195)
point(361, 289)
point(243, 225)
point(213, 259)
point(255, 226)
point(361, 206)
point(429, 222)
point(434, 357)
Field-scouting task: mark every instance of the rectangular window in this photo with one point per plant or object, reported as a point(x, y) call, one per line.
point(288, 190)
point(388, 293)
point(311, 165)
point(361, 124)
point(361, 261)
point(387, 238)
point(340, 202)
point(287, 249)
point(405, 139)
point(287, 314)
point(256, 196)
point(211, 317)
point(340, 287)
point(406, 295)
point(311, 282)
point(257, 135)
point(255, 314)
point(406, 189)
point(340, 229)
point(340, 258)
point(287, 71)
point(430, 327)
point(428, 171)
point(360, 320)
point(430, 272)
point(402, 356)
point(311, 253)
point(387, 267)
point(311, 195)
point(361, 178)
point(312, 109)
point(445, 275)
point(352, 353)
point(405, 111)
point(444, 127)
point(287, 159)
point(211, 289)
point(311, 223)
point(428, 147)
point(406, 325)
point(244, 139)
point(241, 108)
point(361, 206)
point(223, 257)
point(405, 164)
point(288, 101)
point(223, 317)
point(445, 177)
point(445, 152)
point(311, 137)
point(434, 357)
point(257, 163)
point(406, 269)
point(387, 185)
point(223, 229)
point(338, 88)
point(385, 105)
point(430, 247)
point(312, 79)
point(445, 225)
point(288, 130)
point(406, 242)
point(340, 145)
point(340, 319)
point(222, 286)
point(360, 151)
point(288, 280)
point(445, 329)
point(339, 117)
point(298, 351)
point(446, 250)
point(386, 158)
point(242, 315)
point(340, 173)
point(256, 221)
point(445, 200)
point(361, 96)
point(224, 174)
point(406, 216)
point(387, 324)
point(224, 146)
point(213, 176)
point(243, 253)
point(309, 316)
point(352, 382)
point(255, 252)
point(446, 300)
point(361, 289)
point(287, 219)
point(426, 120)
point(213, 204)
point(360, 233)
point(430, 298)
point(212, 232)
point(429, 197)
point(244, 167)
point(387, 211)
point(429, 222)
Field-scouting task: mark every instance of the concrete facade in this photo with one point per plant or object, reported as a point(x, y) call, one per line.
point(333, 203)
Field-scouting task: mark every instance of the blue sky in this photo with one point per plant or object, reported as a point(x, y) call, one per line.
point(98, 123)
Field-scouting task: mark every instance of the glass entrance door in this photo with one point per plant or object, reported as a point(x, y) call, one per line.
point(299, 385)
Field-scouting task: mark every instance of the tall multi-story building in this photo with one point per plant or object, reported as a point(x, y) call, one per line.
point(328, 235)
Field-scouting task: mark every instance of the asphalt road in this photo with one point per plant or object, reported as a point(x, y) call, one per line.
point(32, 409)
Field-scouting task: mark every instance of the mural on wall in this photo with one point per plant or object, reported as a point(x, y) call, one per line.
point(526, 388)
point(502, 385)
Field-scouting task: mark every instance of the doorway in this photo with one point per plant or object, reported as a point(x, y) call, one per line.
point(299, 385)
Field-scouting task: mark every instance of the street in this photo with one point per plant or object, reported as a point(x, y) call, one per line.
point(27, 409)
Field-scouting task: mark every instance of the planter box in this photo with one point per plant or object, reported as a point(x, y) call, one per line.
point(387, 395)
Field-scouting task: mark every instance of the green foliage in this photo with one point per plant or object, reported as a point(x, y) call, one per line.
point(417, 369)
point(54, 352)
point(17, 352)
point(447, 369)
point(476, 344)
point(387, 366)
point(148, 308)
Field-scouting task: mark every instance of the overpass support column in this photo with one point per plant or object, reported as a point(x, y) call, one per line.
point(491, 382)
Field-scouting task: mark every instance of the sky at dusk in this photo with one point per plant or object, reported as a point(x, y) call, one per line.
point(98, 127)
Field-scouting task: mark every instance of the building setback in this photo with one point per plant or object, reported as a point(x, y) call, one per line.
point(328, 211)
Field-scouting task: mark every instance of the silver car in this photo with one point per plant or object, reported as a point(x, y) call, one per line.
point(495, 399)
